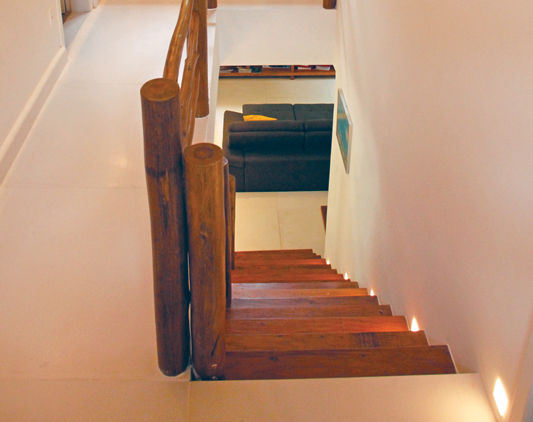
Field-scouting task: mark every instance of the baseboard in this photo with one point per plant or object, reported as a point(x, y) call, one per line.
point(22, 126)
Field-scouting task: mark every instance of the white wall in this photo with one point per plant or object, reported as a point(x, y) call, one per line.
point(435, 214)
point(31, 57)
point(276, 35)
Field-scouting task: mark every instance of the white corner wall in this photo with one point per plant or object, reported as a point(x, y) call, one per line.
point(436, 213)
point(276, 34)
point(32, 55)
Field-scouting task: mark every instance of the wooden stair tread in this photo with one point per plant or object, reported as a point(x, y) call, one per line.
point(309, 311)
point(339, 363)
point(284, 277)
point(281, 263)
point(241, 293)
point(331, 341)
point(302, 301)
point(275, 254)
point(300, 285)
point(268, 269)
point(359, 324)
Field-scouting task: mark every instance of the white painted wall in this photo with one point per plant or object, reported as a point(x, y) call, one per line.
point(436, 213)
point(276, 34)
point(31, 57)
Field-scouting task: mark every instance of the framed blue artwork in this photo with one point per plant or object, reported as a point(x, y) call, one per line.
point(344, 129)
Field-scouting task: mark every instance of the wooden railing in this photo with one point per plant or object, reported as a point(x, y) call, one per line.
point(192, 203)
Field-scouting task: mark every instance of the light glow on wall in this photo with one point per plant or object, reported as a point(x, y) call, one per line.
point(372, 292)
point(500, 397)
point(346, 276)
point(414, 325)
point(327, 261)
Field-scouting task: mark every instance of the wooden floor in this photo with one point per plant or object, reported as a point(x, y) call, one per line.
point(292, 316)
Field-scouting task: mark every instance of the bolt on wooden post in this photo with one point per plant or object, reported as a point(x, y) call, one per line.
point(164, 178)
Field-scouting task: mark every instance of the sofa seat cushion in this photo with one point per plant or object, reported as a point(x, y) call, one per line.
point(279, 111)
point(285, 172)
point(313, 111)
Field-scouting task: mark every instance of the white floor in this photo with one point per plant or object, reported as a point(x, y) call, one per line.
point(76, 304)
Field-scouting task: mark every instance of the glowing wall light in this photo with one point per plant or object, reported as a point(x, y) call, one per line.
point(327, 261)
point(372, 292)
point(500, 397)
point(346, 276)
point(414, 325)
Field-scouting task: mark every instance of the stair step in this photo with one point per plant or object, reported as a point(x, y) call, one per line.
point(335, 341)
point(274, 276)
point(300, 285)
point(359, 324)
point(281, 263)
point(339, 363)
point(303, 301)
point(309, 311)
point(243, 293)
point(276, 254)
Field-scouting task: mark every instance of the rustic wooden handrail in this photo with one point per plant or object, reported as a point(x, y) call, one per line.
point(175, 49)
point(164, 178)
point(169, 114)
point(189, 92)
point(229, 235)
point(207, 257)
point(233, 197)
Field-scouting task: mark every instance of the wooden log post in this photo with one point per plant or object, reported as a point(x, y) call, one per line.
point(232, 184)
point(202, 108)
point(207, 257)
point(329, 4)
point(164, 177)
point(212, 4)
point(229, 236)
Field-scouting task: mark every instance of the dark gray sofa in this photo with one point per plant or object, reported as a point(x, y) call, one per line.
point(291, 153)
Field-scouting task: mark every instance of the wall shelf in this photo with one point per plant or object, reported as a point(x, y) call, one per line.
point(292, 71)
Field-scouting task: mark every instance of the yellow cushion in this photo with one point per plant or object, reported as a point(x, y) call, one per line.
point(256, 117)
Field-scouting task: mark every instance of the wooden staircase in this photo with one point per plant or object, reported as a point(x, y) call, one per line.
point(292, 316)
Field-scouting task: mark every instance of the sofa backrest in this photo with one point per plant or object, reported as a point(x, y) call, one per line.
point(267, 136)
point(318, 135)
point(278, 111)
point(313, 112)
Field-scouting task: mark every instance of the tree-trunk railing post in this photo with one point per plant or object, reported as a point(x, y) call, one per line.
point(207, 257)
point(212, 4)
point(202, 108)
point(164, 177)
point(229, 236)
point(232, 184)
